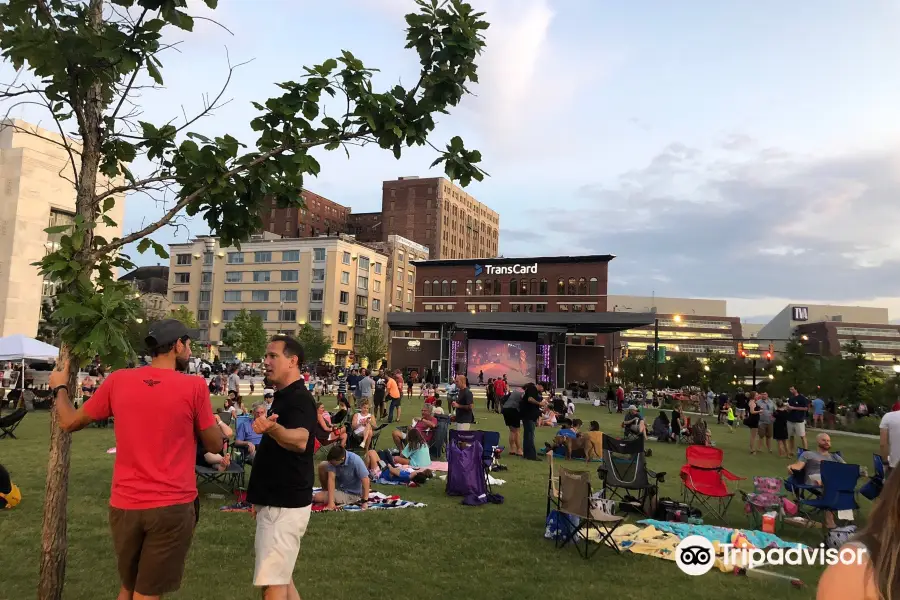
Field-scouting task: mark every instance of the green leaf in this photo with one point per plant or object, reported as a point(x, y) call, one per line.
point(154, 72)
point(213, 4)
point(107, 221)
point(108, 203)
point(57, 229)
point(143, 245)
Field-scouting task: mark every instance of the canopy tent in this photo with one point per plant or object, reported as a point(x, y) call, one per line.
point(21, 348)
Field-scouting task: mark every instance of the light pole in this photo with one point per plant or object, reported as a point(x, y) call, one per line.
point(655, 356)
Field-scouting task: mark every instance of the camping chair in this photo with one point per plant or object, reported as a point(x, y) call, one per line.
point(552, 487)
point(229, 480)
point(797, 484)
point(465, 458)
point(225, 415)
point(872, 488)
point(625, 475)
point(490, 448)
point(8, 423)
point(685, 434)
point(595, 515)
point(704, 478)
point(353, 440)
point(439, 440)
point(838, 491)
point(767, 496)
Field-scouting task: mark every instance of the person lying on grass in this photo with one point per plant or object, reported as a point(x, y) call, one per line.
point(345, 480)
point(388, 472)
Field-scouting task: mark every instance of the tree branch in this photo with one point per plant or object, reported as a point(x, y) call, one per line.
point(137, 69)
point(133, 187)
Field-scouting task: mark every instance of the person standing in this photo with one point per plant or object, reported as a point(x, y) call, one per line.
point(766, 421)
point(798, 407)
point(480, 377)
point(620, 399)
point(818, 406)
point(393, 396)
point(489, 392)
point(752, 420)
point(378, 393)
point(513, 420)
point(464, 404)
point(234, 381)
point(530, 411)
point(366, 387)
point(281, 482)
point(153, 505)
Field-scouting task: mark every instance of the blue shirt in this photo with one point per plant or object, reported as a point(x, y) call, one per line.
point(245, 431)
point(569, 433)
point(418, 459)
point(349, 475)
point(818, 406)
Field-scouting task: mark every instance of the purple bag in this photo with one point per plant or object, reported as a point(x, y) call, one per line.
point(465, 470)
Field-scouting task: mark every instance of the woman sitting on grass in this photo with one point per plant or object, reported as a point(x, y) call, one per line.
point(661, 428)
point(547, 418)
point(415, 453)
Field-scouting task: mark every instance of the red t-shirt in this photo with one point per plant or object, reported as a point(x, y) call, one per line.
point(500, 388)
point(159, 413)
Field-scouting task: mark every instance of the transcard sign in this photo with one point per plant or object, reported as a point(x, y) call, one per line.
point(516, 269)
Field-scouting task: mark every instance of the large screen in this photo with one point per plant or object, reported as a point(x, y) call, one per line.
point(496, 358)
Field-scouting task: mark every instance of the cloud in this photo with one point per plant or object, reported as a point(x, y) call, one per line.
point(765, 225)
point(738, 142)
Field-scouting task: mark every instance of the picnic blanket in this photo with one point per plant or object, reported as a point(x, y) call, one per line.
point(439, 466)
point(377, 501)
point(722, 535)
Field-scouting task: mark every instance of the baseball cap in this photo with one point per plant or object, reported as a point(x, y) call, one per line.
point(632, 407)
point(169, 331)
point(268, 392)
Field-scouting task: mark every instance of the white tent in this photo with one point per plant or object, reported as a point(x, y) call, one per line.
point(21, 348)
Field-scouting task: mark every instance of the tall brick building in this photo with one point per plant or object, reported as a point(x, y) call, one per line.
point(367, 227)
point(320, 217)
point(441, 216)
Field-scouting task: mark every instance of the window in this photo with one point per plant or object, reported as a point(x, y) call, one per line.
point(560, 287)
point(290, 275)
point(234, 276)
point(426, 288)
point(287, 315)
point(593, 287)
point(315, 315)
point(398, 295)
point(205, 296)
point(590, 308)
point(345, 277)
point(576, 308)
point(261, 276)
point(488, 287)
point(345, 297)
point(582, 286)
point(182, 259)
point(411, 278)
point(513, 287)
point(479, 287)
point(540, 308)
point(563, 308)
point(363, 263)
point(376, 286)
point(362, 302)
point(497, 290)
point(206, 278)
point(445, 288)
point(342, 338)
point(409, 295)
point(360, 321)
point(543, 290)
point(533, 287)
point(180, 297)
point(452, 287)
point(523, 287)
point(378, 267)
point(203, 315)
point(262, 314)
point(362, 282)
point(343, 317)
point(399, 257)
point(290, 256)
point(259, 296)
point(235, 258)
point(318, 254)
point(376, 304)
point(318, 275)
point(288, 295)
point(232, 295)
point(429, 307)
point(229, 315)
point(345, 258)
point(470, 287)
point(182, 277)
point(262, 257)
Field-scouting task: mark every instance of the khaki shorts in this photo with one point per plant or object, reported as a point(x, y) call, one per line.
point(765, 430)
point(463, 426)
point(796, 429)
point(152, 546)
point(278, 535)
point(341, 497)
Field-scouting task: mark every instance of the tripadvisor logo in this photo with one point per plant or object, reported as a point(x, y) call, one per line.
point(517, 269)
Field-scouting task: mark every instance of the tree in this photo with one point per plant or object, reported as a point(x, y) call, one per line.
point(186, 316)
point(372, 346)
point(315, 343)
point(246, 335)
point(48, 330)
point(86, 61)
point(800, 369)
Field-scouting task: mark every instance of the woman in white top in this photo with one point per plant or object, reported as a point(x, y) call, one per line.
point(876, 576)
point(363, 424)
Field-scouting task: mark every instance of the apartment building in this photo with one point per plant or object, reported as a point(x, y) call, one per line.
point(35, 193)
point(320, 216)
point(441, 216)
point(331, 282)
point(366, 227)
point(152, 283)
point(401, 275)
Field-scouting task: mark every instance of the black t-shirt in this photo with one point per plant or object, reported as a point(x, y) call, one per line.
point(466, 399)
point(800, 401)
point(527, 410)
point(281, 477)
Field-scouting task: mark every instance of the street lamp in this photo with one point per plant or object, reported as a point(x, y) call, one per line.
point(771, 376)
point(896, 368)
point(706, 368)
point(677, 318)
point(804, 337)
point(779, 368)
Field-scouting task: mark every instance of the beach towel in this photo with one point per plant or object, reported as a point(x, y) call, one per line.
point(722, 535)
point(377, 501)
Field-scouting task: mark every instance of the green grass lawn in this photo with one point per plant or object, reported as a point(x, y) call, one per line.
point(444, 550)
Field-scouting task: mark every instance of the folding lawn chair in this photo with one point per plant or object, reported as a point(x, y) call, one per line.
point(440, 436)
point(796, 483)
point(490, 444)
point(552, 487)
point(8, 423)
point(704, 478)
point(872, 488)
point(838, 491)
point(466, 475)
point(625, 475)
point(595, 515)
point(767, 496)
point(229, 480)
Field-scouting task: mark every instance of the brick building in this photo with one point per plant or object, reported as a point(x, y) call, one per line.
point(366, 227)
point(320, 217)
point(438, 214)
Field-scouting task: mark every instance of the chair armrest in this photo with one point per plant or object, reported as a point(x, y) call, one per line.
point(731, 476)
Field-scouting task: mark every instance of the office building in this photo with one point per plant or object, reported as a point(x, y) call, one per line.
point(366, 227)
point(441, 216)
point(36, 194)
point(320, 216)
point(331, 282)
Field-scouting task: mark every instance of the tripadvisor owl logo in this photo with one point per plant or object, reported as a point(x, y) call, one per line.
point(695, 555)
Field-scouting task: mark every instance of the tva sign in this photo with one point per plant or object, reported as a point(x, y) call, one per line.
point(505, 269)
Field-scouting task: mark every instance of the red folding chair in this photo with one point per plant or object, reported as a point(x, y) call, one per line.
point(704, 480)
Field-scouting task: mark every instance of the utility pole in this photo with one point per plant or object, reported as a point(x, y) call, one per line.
point(754, 374)
point(655, 356)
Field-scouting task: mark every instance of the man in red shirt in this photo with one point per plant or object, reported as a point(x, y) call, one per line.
point(152, 510)
point(500, 390)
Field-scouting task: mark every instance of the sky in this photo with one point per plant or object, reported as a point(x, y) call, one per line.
point(740, 150)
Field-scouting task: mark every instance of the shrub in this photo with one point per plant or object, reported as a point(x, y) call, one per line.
point(868, 425)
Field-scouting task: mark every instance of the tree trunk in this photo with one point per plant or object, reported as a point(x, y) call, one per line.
point(88, 106)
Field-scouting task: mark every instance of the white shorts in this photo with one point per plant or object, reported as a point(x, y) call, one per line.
point(796, 429)
point(463, 426)
point(278, 535)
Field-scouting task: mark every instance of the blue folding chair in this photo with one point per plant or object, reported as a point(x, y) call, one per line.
point(838, 490)
point(796, 483)
point(872, 488)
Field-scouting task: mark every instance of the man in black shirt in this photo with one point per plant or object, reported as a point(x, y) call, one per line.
point(464, 404)
point(282, 478)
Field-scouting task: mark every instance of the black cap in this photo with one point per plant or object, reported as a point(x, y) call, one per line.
point(168, 331)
